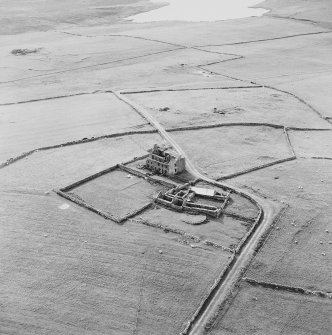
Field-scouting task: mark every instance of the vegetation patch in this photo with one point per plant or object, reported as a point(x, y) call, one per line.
point(24, 52)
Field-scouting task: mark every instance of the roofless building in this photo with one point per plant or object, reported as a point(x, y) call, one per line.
point(163, 162)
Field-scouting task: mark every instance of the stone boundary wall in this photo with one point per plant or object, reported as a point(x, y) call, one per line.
point(145, 176)
point(166, 229)
point(249, 232)
point(224, 305)
point(191, 89)
point(218, 246)
point(292, 289)
point(49, 98)
point(87, 179)
point(319, 157)
point(65, 191)
point(219, 125)
point(83, 204)
point(205, 301)
point(226, 270)
point(140, 210)
point(259, 167)
point(239, 217)
point(243, 124)
point(266, 234)
point(82, 141)
point(291, 148)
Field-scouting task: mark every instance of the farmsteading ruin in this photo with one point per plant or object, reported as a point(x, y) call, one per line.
point(163, 162)
point(185, 197)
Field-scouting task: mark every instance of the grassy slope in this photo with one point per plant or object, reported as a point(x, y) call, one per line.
point(66, 270)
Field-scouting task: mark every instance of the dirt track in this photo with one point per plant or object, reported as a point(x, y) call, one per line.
point(269, 210)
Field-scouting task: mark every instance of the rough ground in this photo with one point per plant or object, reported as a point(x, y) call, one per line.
point(260, 90)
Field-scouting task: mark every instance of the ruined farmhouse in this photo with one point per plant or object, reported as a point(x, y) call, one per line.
point(164, 162)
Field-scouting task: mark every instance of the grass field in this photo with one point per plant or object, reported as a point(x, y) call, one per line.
point(58, 51)
point(203, 34)
point(225, 231)
point(298, 253)
point(298, 65)
point(66, 270)
point(25, 127)
point(241, 205)
point(257, 310)
point(57, 168)
point(298, 59)
point(312, 144)
point(162, 67)
point(201, 107)
point(118, 193)
point(226, 150)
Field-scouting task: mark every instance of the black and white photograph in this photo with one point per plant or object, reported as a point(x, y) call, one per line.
point(165, 167)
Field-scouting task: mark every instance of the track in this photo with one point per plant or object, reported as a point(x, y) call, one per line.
point(269, 210)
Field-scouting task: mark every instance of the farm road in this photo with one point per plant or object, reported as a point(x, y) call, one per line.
point(269, 210)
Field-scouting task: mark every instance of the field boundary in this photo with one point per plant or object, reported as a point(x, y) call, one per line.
point(167, 229)
point(259, 167)
point(75, 142)
point(244, 124)
point(290, 145)
point(65, 191)
point(263, 239)
point(266, 39)
point(180, 89)
point(292, 289)
point(205, 302)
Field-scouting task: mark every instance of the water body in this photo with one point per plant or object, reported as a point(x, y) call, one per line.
point(200, 10)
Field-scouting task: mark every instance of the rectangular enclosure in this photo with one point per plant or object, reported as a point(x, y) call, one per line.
point(117, 194)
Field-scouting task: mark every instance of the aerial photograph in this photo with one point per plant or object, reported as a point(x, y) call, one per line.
point(166, 167)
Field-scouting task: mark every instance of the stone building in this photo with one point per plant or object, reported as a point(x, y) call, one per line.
point(163, 162)
point(189, 199)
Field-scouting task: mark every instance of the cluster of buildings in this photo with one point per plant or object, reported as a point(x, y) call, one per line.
point(185, 197)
